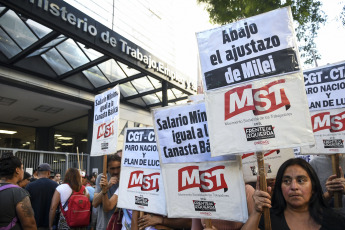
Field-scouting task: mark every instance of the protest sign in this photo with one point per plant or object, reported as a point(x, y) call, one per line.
point(213, 190)
point(182, 133)
point(273, 160)
point(325, 87)
point(141, 185)
point(255, 96)
point(329, 132)
point(201, 190)
point(105, 122)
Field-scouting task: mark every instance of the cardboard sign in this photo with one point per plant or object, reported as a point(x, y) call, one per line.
point(265, 115)
point(105, 122)
point(249, 49)
point(141, 185)
point(325, 87)
point(182, 134)
point(141, 149)
point(212, 190)
point(273, 160)
point(329, 132)
point(255, 96)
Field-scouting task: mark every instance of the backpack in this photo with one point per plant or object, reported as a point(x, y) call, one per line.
point(15, 219)
point(78, 213)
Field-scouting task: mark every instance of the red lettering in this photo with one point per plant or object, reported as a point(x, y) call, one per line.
point(321, 121)
point(150, 182)
point(337, 122)
point(105, 130)
point(136, 179)
point(207, 181)
point(261, 101)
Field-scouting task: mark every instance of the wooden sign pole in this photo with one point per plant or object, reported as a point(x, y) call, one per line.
point(78, 158)
point(263, 187)
point(338, 203)
point(105, 165)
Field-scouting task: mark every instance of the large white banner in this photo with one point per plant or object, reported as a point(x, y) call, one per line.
point(106, 122)
point(325, 87)
point(255, 98)
point(329, 132)
point(250, 49)
point(196, 184)
point(264, 115)
point(273, 159)
point(212, 190)
point(141, 185)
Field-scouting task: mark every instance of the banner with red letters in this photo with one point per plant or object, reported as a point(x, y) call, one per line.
point(273, 160)
point(106, 122)
point(329, 132)
point(141, 184)
point(254, 87)
point(325, 87)
point(212, 190)
point(196, 184)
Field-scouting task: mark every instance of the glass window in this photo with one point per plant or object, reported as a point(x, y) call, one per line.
point(72, 53)
point(128, 70)
point(127, 89)
point(151, 99)
point(142, 84)
point(39, 29)
point(171, 95)
point(15, 136)
point(138, 101)
point(7, 46)
point(47, 46)
point(17, 29)
point(112, 70)
point(91, 53)
point(54, 59)
point(157, 84)
point(96, 77)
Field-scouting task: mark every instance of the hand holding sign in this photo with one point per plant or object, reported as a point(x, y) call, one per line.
point(261, 199)
point(335, 184)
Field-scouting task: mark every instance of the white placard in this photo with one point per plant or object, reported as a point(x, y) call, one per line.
point(105, 122)
point(261, 116)
point(273, 160)
point(249, 49)
point(142, 190)
point(212, 190)
point(182, 134)
point(325, 87)
point(29, 170)
point(140, 148)
point(329, 132)
point(141, 185)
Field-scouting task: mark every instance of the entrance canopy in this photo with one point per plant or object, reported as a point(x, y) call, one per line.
point(54, 41)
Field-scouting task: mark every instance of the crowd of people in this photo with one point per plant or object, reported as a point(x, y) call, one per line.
point(301, 197)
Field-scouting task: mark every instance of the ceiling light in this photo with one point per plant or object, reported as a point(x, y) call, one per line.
point(57, 135)
point(67, 144)
point(7, 132)
point(62, 159)
point(7, 101)
point(65, 138)
point(55, 161)
point(28, 142)
point(84, 140)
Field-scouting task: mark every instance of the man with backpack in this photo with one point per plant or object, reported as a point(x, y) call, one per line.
point(41, 193)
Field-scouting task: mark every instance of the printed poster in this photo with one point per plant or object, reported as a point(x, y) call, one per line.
point(141, 184)
point(196, 184)
point(210, 190)
point(255, 96)
point(329, 132)
point(273, 159)
point(105, 122)
point(325, 87)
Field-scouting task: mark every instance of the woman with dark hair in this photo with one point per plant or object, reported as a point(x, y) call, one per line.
point(16, 211)
point(297, 201)
point(72, 183)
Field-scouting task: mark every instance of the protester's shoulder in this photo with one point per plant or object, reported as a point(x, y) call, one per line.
point(18, 193)
point(333, 219)
point(63, 187)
